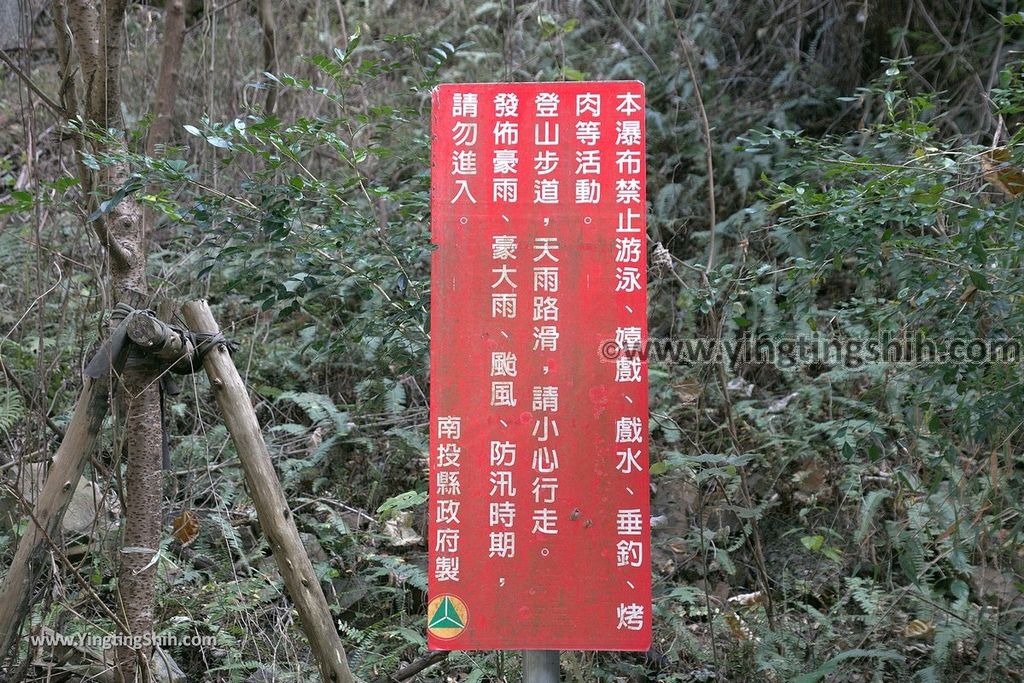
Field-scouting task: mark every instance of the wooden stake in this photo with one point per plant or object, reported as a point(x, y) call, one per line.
point(275, 516)
point(30, 559)
point(541, 666)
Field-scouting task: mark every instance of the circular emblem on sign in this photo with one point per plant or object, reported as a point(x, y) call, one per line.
point(447, 617)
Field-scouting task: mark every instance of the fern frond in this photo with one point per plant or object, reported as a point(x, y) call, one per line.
point(12, 409)
point(320, 408)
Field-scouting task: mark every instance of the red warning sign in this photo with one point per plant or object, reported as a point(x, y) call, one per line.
point(539, 503)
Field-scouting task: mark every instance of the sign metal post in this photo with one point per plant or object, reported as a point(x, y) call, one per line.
point(540, 666)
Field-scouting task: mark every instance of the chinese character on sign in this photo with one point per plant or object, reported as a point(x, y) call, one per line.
point(446, 569)
point(503, 364)
point(449, 428)
point(501, 484)
point(505, 190)
point(464, 104)
point(448, 455)
point(448, 511)
point(629, 554)
point(503, 247)
point(447, 541)
point(628, 461)
point(545, 460)
point(629, 103)
point(503, 454)
point(588, 104)
point(506, 133)
point(629, 430)
point(506, 105)
point(464, 134)
point(629, 523)
point(547, 104)
point(503, 394)
point(463, 192)
point(448, 484)
point(544, 521)
point(630, 616)
point(588, 132)
point(588, 191)
point(502, 544)
point(502, 514)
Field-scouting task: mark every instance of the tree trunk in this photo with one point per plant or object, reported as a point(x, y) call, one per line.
point(167, 83)
point(144, 497)
point(98, 35)
point(265, 11)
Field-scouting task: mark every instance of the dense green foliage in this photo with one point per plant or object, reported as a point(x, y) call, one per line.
point(870, 511)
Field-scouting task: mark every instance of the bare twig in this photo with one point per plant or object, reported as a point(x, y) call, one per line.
point(28, 397)
point(708, 158)
point(47, 100)
point(209, 15)
point(958, 55)
point(59, 553)
point(419, 665)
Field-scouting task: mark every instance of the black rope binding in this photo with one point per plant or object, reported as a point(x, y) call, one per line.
point(114, 354)
point(116, 349)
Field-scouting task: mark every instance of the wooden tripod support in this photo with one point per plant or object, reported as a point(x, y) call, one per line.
point(164, 344)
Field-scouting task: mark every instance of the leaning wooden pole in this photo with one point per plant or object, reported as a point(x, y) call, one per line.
point(272, 508)
point(30, 559)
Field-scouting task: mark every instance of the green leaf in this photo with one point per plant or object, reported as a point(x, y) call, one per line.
point(65, 183)
point(813, 543)
point(660, 467)
point(402, 501)
point(133, 185)
point(573, 74)
point(980, 281)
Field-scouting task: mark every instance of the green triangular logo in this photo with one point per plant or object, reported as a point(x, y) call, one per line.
point(446, 616)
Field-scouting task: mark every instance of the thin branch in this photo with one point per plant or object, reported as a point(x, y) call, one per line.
point(957, 54)
point(206, 17)
point(419, 665)
point(28, 397)
point(47, 100)
point(58, 552)
point(683, 45)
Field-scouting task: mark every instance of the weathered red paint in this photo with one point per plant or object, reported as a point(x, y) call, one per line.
point(565, 591)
